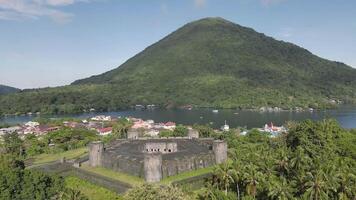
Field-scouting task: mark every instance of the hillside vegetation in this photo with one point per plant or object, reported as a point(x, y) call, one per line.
point(207, 63)
point(7, 89)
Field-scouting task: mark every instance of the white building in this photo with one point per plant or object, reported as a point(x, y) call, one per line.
point(101, 118)
point(32, 124)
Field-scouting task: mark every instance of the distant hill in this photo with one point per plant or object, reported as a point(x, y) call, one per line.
point(208, 63)
point(7, 89)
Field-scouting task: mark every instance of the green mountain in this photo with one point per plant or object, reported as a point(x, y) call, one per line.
point(208, 63)
point(7, 89)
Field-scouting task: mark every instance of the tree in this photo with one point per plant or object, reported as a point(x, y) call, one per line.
point(237, 175)
point(70, 194)
point(252, 178)
point(282, 162)
point(121, 127)
point(13, 144)
point(204, 130)
point(299, 160)
point(180, 131)
point(316, 185)
point(280, 189)
point(225, 174)
point(155, 192)
point(347, 183)
point(16, 182)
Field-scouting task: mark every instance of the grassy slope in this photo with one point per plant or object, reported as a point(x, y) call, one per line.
point(93, 192)
point(132, 180)
point(135, 181)
point(186, 175)
point(46, 158)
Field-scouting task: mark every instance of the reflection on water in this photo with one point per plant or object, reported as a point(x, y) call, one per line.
point(346, 115)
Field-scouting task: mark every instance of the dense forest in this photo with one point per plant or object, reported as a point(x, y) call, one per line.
point(314, 160)
point(206, 63)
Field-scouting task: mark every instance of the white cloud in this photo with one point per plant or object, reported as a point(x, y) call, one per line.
point(34, 9)
point(199, 3)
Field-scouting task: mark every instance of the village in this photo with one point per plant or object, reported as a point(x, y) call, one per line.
point(103, 126)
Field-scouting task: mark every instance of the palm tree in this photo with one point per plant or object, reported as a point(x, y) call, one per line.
point(252, 178)
point(282, 163)
point(225, 174)
point(280, 189)
point(347, 184)
point(316, 185)
point(121, 127)
point(299, 160)
point(237, 175)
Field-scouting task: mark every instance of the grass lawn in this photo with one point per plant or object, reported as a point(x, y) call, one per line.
point(45, 158)
point(186, 175)
point(93, 192)
point(126, 178)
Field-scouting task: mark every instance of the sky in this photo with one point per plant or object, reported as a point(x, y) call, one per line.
point(47, 43)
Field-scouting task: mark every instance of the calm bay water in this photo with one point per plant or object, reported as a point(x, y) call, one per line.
point(346, 115)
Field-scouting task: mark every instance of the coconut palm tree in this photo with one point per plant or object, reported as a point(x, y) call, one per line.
point(121, 127)
point(252, 178)
point(316, 185)
point(237, 175)
point(280, 189)
point(225, 174)
point(299, 160)
point(347, 184)
point(283, 162)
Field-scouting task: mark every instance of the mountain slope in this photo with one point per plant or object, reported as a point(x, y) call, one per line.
point(212, 52)
point(209, 63)
point(7, 89)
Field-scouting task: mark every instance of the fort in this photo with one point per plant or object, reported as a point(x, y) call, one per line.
point(157, 158)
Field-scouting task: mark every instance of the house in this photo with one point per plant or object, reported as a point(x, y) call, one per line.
point(139, 123)
point(274, 130)
point(169, 126)
point(32, 124)
point(8, 130)
point(104, 131)
point(152, 132)
point(44, 129)
point(101, 118)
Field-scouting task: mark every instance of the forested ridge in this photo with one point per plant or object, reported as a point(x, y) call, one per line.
point(4, 89)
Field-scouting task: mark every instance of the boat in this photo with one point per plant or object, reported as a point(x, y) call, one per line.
point(226, 127)
point(215, 111)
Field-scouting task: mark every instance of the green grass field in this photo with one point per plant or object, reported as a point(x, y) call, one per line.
point(186, 175)
point(93, 192)
point(126, 178)
point(46, 158)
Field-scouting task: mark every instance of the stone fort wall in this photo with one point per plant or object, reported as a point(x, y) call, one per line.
point(188, 163)
point(155, 165)
point(124, 164)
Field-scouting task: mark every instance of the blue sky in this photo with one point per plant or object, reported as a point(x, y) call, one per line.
point(54, 42)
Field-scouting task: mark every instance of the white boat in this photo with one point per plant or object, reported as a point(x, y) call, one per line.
point(215, 111)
